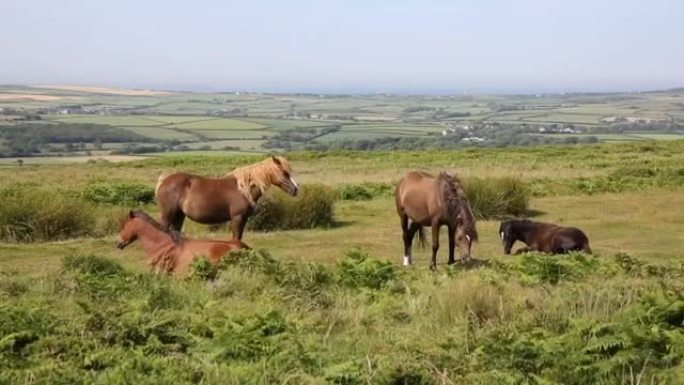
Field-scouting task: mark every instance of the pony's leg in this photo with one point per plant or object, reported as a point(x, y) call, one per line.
point(435, 246)
point(237, 225)
point(407, 239)
point(452, 244)
point(410, 234)
point(177, 221)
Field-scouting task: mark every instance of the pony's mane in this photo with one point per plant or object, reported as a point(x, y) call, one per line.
point(176, 236)
point(457, 202)
point(260, 175)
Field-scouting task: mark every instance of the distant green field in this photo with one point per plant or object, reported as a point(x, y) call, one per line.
point(199, 119)
point(558, 117)
point(286, 124)
point(161, 133)
point(112, 120)
point(246, 144)
point(418, 129)
point(233, 134)
point(220, 124)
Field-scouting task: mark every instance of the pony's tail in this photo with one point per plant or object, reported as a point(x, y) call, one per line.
point(421, 237)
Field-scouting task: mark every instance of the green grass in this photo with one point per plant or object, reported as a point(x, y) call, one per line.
point(620, 137)
point(243, 144)
point(232, 134)
point(107, 119)
point(286, 124)
point(220, 124)
point(161, 133)
point(333, 305)
point(362, 320)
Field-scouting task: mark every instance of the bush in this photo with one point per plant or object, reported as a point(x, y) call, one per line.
point(92, 265)
point(358, 269)
point(312, 208)
point(118, 193)
point(555, 268)
point(28, 215)
point(497, 197)
point(365, 191)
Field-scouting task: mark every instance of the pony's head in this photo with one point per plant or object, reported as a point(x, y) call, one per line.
point(508, 233)
point(283, 177)
point(137, 222)
point(466, 233)
point(274, 170)
point(458, 207)
point(128, 230)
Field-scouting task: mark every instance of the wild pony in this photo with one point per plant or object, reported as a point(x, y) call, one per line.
point(425, 200)
point(168, 251)
point(543, 237)
point(218, 200)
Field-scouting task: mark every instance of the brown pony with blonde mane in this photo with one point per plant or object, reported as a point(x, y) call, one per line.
point(169, 251)
point(218, 200)
point(423, 200)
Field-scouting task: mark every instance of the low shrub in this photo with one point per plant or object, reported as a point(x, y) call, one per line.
point(359, 269)
point(312, 208)
point(92, 265)
point(365, 191)
point(95, 322)
point(118, 193)
point(555, 268)
point(497, 197)
point(29, 214)
point(251, 260)
point(622, 179)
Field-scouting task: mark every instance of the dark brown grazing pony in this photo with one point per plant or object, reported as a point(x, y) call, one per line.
point(218, 200)
point(423, 200)
point(543, 237)
point(168, 251)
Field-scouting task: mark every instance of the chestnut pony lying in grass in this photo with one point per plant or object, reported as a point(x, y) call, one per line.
point(168, 251)
point(542, 237)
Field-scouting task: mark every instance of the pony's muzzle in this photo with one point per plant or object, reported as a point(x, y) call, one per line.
point(294, 187)
point(120, 244)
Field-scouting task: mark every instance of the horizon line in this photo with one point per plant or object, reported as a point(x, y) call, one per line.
point(204, 89)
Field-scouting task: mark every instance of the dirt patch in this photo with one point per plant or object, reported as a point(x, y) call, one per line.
point(71, 159)
point(36, 97)
point(108, 90)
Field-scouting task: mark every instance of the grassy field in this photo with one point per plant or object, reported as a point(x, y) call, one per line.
point(333, 305)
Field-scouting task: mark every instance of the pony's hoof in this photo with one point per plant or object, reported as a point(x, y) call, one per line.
point(433, 267)
point(407, 261)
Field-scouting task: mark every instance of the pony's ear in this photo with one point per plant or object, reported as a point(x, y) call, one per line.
point(276, 160)
point(131, 214)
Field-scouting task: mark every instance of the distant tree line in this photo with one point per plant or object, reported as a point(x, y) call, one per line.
point(32, 138)
point(434, 142)
point(671, 127)
point(297, 137)
point(436, 112)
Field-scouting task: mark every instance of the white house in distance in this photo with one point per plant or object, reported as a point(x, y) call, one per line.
point(564, 130)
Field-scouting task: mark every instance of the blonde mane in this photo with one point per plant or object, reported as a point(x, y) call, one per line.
point(260, 175)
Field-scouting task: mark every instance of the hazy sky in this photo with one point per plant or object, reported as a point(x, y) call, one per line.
point(346, 46)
